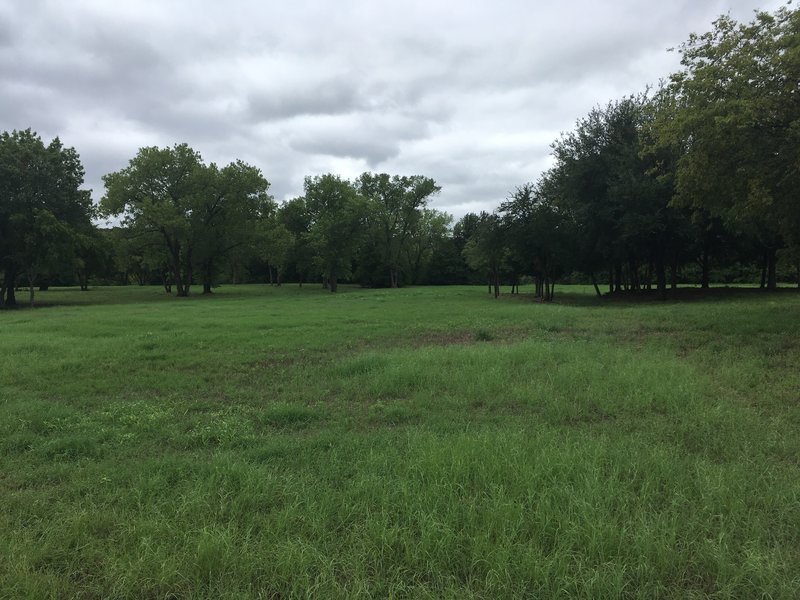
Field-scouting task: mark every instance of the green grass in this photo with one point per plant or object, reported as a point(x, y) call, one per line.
point(423, 442)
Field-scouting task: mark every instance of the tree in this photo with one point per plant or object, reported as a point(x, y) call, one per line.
point(486, 250)
point(276, 249)
point(230, 203)
point(580, 181)
point(736, 115)
point(199, 213)
point(517, 213)
point(156, 193)
point(93, 256)
point(296, 218)
point(337, 214)
point(431, 235)
point(617, 196)
point(42, 209)
point(463, 230)
point(137, 255)
point(396, 203)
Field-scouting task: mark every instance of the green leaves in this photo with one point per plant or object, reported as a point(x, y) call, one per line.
point(337, 213)
point(396, 205)
point(199, 212)
point(736, 108)
point(42, 208)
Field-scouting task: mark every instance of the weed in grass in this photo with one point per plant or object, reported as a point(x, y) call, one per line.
point(481, 335)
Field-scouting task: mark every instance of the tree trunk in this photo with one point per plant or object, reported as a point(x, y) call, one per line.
point(189, 276)
point(177, 277)
point(31, 283)
point(674, 275)
point(764, 271)
point(772, 263)
point(618, 277)
point(661, 279)
point(594, 283)
point(208, 277)
point(393, 277)
point(181, 288)
point(10, 281)
point(633, 270)
point(165, 281)
point(705, 264)
point(332, 282)
point(496, 285)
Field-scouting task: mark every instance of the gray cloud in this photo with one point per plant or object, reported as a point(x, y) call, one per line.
point(471, 95)
point(331, 97)
point(373, 138)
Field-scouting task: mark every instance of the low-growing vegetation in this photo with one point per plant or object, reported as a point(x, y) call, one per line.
point(274, 442)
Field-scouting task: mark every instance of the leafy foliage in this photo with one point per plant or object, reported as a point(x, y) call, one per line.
point(199, 212)
point(43, 210)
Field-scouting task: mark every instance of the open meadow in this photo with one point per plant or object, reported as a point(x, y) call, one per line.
point(278, 442)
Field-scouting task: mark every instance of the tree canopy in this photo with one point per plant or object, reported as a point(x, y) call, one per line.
point(199, 213)
point(43, 211)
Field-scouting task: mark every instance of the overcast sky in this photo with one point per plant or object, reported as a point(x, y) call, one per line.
point(469, 93)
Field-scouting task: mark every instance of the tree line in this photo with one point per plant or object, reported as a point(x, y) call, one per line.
point(704, 171)
point(698, 175)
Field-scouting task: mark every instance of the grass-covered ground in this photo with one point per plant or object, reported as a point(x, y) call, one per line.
point(284, 442)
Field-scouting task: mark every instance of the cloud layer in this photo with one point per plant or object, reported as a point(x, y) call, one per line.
point(471, 94)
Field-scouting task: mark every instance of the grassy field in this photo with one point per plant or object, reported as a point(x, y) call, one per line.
point(414, 443)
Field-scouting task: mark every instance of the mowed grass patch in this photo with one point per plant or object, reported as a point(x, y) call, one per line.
point(282, 442)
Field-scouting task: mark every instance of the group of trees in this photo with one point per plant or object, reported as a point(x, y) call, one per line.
point(182, 217)
point(705, 171)
point(45, 218)
point(188, 220)
point(701, 173)
point(182, 221)
point(378, 224)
